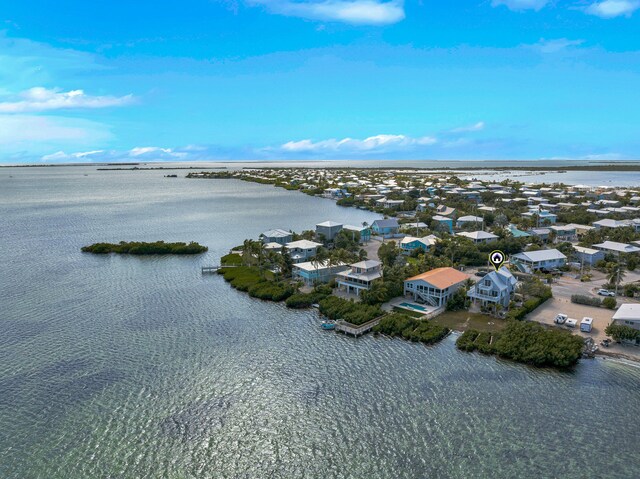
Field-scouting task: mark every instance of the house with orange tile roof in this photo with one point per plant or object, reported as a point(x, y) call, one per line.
point(434, 287)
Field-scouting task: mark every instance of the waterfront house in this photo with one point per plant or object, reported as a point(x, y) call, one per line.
point(387, 227)
point(328, 230)
point(496, 287)
point(434, 287)
point(628, 315)
point(478, 236)
point(516, 233)
point(588, 256)
point(387, 203)
point(364, 231)
point(312, 272)
point(544, 259)
point(443, 223)
point(279, 236)
point(302, 250)
point(360, 276)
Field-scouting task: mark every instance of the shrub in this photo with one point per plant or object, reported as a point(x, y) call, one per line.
point(231, 260)
point(354, 313)
point(609, 302)
point(399, 324)
point(620, 331)
point(142, 248)
point(305, 300)
point(466, 340)
point(588, 300)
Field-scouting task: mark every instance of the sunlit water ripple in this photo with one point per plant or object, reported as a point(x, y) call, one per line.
point(141, 367)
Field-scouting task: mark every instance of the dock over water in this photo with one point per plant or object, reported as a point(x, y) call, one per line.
point(357, 330)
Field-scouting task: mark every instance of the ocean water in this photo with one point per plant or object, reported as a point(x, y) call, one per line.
point(117, 367)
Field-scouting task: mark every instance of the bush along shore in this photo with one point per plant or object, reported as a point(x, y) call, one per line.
point(142, 248)
point(406, 327)
point(525, 342)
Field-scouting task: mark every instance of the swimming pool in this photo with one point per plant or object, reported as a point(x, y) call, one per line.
point(417, 307)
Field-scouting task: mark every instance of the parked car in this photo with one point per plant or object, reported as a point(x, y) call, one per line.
point(561, 318)
point(606, 292)
point(481, 274)
point(571, 323)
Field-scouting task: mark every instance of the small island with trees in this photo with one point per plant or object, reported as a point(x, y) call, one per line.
point(143, 248)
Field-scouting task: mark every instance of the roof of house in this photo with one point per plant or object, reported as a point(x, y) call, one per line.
point(501, 278)
point(628, 312)
point(366, 264)
point(540, 255)
point(477, 235)
point(303, 244)
point(619, 247)
point(355, 228)
point(582, 249)
point(476, 219)
point(386, 223)
point(441, 278)
point(329, 224)
point(441, 218)
point(320, 265)
point(272, 245)
point(276, 233)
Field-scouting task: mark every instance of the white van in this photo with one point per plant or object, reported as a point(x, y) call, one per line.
point(586, 324)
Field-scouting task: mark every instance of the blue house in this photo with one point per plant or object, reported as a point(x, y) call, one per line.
point(364, 231)
point(387, 227)
point(443, 223)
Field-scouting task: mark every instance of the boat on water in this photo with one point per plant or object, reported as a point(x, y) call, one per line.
point(328, 325)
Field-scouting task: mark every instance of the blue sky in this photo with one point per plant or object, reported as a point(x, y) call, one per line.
point(322, 79)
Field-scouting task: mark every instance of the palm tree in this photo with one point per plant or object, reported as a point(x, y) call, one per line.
point(247, 251)
point(322, 255)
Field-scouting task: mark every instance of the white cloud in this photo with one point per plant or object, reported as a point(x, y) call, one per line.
point(475, 127)
point(520, 5)
point(555, 45)
point(378, 143)
point(62, 156)
point(43, 99)
point(613, 8)
point(357, 12)
point(155, 152)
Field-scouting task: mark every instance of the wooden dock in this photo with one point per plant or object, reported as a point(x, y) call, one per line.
point(215, 268)
point(357, 330)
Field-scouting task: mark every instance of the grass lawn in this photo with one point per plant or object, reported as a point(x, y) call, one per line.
point(463, 320)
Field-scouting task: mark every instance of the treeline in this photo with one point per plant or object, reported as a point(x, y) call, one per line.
point(250, 279)
point(526, 342)
point(349, 311)
point(404, 326)
point(143, 248)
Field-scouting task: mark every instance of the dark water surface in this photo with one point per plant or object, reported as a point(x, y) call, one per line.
point(141, 367)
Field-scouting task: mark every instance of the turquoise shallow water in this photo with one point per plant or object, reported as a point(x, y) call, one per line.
point(142, 367)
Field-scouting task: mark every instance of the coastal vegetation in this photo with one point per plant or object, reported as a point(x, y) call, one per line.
point(406, 327)
point(526, 342)
point(621, 332)
point(608, 302)
point(349, 311)
point(142, 248)
point(251, 280)
point(305, 300)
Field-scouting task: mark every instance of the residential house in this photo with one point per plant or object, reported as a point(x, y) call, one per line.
point(435, 287)
point(387, 203)
point(564, 233)
point(478, 236)
point(628, 315)
point(279, 236)
point(364, 231)
point(616, 248)
point(467, 220)
point(409, 244)
point(588, 256)
point(542, 233)
point(544, 259)
point(311, 272)
point(387, 227)
point(328, 230)
point(302, 250)
point(496, 287)
point(360, 276)
point(443, 223)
